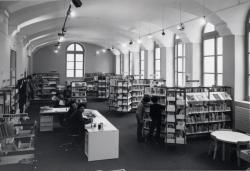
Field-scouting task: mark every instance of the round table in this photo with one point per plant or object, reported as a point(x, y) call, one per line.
point(230, 137)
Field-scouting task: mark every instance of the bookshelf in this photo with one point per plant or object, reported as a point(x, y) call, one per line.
point(102, 87)
point(17, 139)
point(159, 92)
point(78, 91)
point(8, 99)
point(124, 97)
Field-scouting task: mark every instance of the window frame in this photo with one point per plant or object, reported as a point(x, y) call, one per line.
point(155, 69)
point(215, 36)
point(142, 72)
point(178, 41)
point(75, 53)
point(247, 57)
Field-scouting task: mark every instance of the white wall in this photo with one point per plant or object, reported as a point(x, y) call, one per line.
point(45, 60)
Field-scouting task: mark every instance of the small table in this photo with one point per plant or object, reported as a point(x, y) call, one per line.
point(230, 137)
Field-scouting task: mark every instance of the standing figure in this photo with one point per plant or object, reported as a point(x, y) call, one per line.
point(155, 115)
point(139, 116)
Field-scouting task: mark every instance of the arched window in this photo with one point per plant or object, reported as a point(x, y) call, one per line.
point(130, 71)
point(212, 57)
point(179, 67)
point(247, 54)
point(75, 61)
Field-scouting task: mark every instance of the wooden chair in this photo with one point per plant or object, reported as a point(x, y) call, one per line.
point(241, 145)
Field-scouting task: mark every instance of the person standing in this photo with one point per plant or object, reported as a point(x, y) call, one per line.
point(139, 116)
point(155, 115)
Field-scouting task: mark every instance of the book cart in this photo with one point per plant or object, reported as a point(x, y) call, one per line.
point(17, 139)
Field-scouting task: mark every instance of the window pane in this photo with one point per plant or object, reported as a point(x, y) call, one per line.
point(70, 65)
point(71, 47)
point(219, 79)
point(209, 28)
point(180, 50)
point(209, 47)
point(219, 64)
point(78, 47)
point(209, 64)
point(70, 73)
point(79, 65)
point(180, 64)
point(142, 55)
point(157, 53)
point(142, 65)
point(157, 65)
point(70, 57)
point(209, 80)
point(79, 57)
point(79, 73)
point(180, 79)
point(157, 75)
point(249, 42)
point(219, 46)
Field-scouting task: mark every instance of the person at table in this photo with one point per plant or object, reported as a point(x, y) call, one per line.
point(140, 112)
point(65, 119)
point(155, 115)
point(76, 120)
point(58, 100)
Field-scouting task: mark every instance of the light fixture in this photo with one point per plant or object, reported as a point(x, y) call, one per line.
point(56, 50)
point(77, 3)
point(180, 27)
point(150, 36)
point(131, 42)
point(61, 37)
point(72, 14)
point(203, 20)
point(139, 41)
point(124, 45)
point(104, 50)
point(97, 52)
point(163, 33)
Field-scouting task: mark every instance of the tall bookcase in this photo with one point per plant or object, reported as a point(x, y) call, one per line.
point(102, 87)
point(124, 97)
point(78, 91)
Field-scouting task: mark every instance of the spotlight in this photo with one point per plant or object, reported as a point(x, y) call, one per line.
point(163, 33)
point(150, 36)
point(77, 3)
point(139, 41)
point(56, 51)
point(131, 42)
point(97, 52)
point(203, 20)
point(103, 50)
point(72, 14)
point(180, 27)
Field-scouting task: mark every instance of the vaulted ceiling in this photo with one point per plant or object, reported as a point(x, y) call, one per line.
point(105, 22)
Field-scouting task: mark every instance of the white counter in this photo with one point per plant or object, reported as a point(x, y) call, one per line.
point(101, 144)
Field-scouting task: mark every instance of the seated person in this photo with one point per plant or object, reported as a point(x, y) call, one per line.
point(76, 121)
point(58, 100)
point(65, 119)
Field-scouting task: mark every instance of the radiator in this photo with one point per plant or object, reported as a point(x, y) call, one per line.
point(242, 117)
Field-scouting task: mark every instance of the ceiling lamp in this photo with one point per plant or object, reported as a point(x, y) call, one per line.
point(61, 37)
point(131, 42)
point(72, 14)
point(97, 52)
point(104, 50)
point(150, 36)
point(180, 27)
point(77, 3)
point(56, 50)
point(139, 41)
point(163, 33)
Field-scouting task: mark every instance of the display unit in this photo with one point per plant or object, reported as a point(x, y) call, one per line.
point(17, 139)
point(113, 92)
point(102, 87)
point(124, 98)
point(8, 99)
point(78, 91)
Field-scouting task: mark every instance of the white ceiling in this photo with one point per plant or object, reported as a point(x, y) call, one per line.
point(105, 22)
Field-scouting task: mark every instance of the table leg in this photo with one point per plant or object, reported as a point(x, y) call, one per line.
point(215, 150)
point(223, 151)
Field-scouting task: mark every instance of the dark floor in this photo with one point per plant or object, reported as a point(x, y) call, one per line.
point(132, 155)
